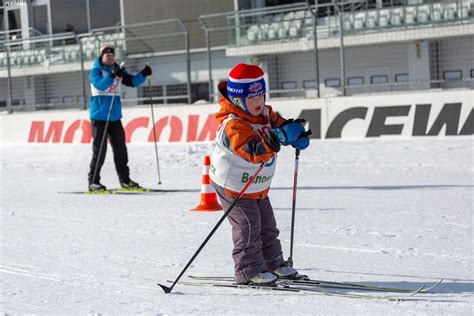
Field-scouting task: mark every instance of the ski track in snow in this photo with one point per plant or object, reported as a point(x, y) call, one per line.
point(382, 212)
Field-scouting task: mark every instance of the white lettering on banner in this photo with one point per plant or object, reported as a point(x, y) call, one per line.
point(405, 115)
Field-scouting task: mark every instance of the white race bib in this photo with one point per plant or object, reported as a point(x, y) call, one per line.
point(231, 171)
point(110, 91)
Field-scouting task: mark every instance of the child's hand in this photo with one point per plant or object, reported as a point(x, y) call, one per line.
point(290, 131)
point(288, 121)
point(271, 139)
point(302, 143)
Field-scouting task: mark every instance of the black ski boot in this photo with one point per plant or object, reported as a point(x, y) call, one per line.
point(129, 184)
point(289, 273)
point(96, 187)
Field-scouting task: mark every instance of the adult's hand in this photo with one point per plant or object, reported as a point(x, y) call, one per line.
point(117, 73)
point(146, 71)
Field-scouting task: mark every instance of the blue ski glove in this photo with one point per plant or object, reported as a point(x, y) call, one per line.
point(290, 131)
point(302, 143)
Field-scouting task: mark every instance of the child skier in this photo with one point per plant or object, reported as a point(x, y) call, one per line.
point(251, 133)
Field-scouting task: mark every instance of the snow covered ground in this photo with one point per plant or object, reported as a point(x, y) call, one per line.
point(383, 212)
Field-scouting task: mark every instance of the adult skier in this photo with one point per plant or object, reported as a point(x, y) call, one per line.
point(105, 79)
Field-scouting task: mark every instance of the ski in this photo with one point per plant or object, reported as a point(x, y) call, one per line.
point(329, 284)
point(239, 286)
point(126, 191)
point(111, 191)
point(345, 285)
point(294, 288)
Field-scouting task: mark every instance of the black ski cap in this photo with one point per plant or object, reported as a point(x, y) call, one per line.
point(108, 49)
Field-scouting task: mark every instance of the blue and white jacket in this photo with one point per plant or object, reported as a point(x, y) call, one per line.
point(102, 91)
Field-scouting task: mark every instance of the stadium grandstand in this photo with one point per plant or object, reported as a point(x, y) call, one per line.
point(308, 49)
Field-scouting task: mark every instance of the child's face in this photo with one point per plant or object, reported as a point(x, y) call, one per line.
point(255, 104)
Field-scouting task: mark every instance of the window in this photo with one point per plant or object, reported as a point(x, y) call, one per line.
point(104, 13)
point(2, 25)
point(14, 19)
point(54, 100)
point(402, 78)
point(156, 91)
point(175, 91)
point(452, 75)
point(287, 85)
point(472, 73)
point(333, 82)
point(68, 99)
point(40, 18)
point(199, 91)
point(310, 84)
point(63, 20)
point(355, 81)
point(378, 79)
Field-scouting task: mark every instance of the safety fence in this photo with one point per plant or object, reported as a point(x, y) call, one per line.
point(51, 72)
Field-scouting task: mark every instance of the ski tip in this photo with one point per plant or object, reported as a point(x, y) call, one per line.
point(165, 288)
point(419, 290)
point(434, 285)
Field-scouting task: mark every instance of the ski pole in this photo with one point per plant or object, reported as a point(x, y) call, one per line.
point(104, 136)
point(169, 289)
point(154, 132)
point(293, 207)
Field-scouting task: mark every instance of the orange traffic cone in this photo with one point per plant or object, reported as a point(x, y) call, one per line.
point(208, 195)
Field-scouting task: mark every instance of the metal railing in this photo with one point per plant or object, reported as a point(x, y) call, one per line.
point(35, 66)
point(16, 34)
point(51, 71)
point(151, 40)
point(324, 49)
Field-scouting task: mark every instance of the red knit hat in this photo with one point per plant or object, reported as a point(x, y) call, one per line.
point(245, 73)
point(245, 80)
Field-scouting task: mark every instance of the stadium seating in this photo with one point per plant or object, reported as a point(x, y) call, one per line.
point(423, 14)
point(66, 53)
point(464, 10)
point(396, 17)
point(271, 27)
point(359, 21)
point(409, 16)
point(294, 24)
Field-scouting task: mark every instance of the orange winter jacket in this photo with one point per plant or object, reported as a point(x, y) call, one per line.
point(240, 133)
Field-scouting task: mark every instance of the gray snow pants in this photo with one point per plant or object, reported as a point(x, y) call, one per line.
point(255, 236)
